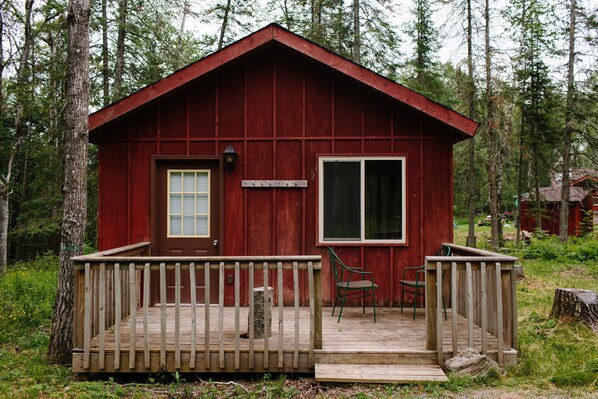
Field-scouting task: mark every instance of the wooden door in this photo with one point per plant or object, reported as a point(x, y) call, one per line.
point(188, 218)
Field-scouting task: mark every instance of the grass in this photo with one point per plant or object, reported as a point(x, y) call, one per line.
point(556, 358)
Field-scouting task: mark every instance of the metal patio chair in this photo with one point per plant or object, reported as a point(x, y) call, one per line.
point(417, 287)
point(347, 287)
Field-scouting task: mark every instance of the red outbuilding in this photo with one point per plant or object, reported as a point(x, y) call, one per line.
point(318, 152)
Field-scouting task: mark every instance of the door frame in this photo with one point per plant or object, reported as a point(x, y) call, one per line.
point(155, 159)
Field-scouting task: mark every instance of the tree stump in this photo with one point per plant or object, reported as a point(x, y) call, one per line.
point(578, 305)
point(259, 300)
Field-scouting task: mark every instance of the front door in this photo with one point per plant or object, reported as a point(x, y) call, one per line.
point(188, 218)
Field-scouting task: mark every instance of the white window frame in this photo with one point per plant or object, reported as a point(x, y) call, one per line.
point(195, 214)
point(361, 160)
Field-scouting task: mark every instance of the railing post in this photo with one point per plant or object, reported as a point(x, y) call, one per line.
point(318, 307)
point(431, 331)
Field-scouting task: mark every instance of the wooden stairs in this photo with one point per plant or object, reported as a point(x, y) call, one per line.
point(381, 367)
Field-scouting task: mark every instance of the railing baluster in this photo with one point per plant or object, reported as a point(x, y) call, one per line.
point(117, 314)
point(192, 284)
point(469, 299)
point(207, 315)
point(296, 290)
point(454, 306)
point(267, 310)
point(439, 309)
point(221, 315)
point(163, 315)
point(513, 308)
point(177, 315)
point(312, 324)
point(280, 317)
point(483, 282)
point(237, 317)
point(251, 326)
point(87, 317)
point(146, 299)
point(102, 317)
point(132, 315)
point(499, 321)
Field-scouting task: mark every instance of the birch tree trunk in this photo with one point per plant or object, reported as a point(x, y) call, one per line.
point(105, 65)
point(567, 135)
point(75, 178)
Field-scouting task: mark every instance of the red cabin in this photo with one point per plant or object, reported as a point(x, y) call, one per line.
point(240, 170)
point(308, 127)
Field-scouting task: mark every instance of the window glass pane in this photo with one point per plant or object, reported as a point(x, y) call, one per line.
point(202, 204)
point(188, 225)
point(342, 201)
point(189, 182)
point(175, 225)
point(175, 204)
point(383, 200)
point(202, 226)
point(188, 205)
point(176, 182)
point(202, 182)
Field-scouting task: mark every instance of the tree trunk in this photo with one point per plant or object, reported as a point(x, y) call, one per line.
point(105, 65)
point(356, 33)
point(186, 9)
point(471, 186)
point(75, 178)
point(577, 305)
point(224, 24)
point(493, 145)
point(3, 188)
point(567, 135)
point(119, 64)
point(5, 181)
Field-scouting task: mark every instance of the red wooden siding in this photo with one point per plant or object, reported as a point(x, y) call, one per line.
point(280, 111)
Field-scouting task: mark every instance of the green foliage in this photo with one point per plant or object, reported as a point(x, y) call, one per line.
point(574, 250)
point(552, 350)
point(27, 299)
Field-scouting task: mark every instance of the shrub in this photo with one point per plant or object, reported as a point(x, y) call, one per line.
point(574, 250)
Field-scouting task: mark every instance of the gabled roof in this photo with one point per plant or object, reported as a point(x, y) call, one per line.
point(269, 35)
point(553, 194)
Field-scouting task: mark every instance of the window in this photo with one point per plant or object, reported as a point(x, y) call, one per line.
point(362, 199)
point(188, 203)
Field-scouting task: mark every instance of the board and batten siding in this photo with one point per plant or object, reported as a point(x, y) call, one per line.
point(280, 111)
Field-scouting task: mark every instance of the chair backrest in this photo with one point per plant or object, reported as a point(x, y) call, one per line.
point(336, 264)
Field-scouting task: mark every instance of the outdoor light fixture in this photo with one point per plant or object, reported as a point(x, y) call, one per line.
point(230, 158)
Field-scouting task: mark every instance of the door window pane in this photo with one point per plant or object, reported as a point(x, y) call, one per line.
point(189, 203)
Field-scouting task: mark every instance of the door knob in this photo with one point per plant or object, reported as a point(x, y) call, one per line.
point(215, 243)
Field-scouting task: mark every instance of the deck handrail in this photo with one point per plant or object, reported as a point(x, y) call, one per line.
point(115, 284)
point(480, 286)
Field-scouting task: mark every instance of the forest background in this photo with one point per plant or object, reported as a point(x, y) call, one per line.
point(527, 70)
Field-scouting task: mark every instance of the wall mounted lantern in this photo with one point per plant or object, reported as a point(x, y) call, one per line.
point(230, 158)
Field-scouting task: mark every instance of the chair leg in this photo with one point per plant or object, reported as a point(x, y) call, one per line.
point(334, 307)
point(340, 313)
point(415, 296)
point(402, 298)
point(363, 301)
point(374, 301)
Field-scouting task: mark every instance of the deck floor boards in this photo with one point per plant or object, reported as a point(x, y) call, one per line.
point(393, 331)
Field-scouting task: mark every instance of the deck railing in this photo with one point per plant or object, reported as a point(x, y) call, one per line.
point(113, 285)
point(479, 286)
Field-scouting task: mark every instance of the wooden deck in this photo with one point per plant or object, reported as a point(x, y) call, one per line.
point(395, 339)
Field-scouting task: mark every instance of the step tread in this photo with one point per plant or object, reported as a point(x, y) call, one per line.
point(382, 373)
